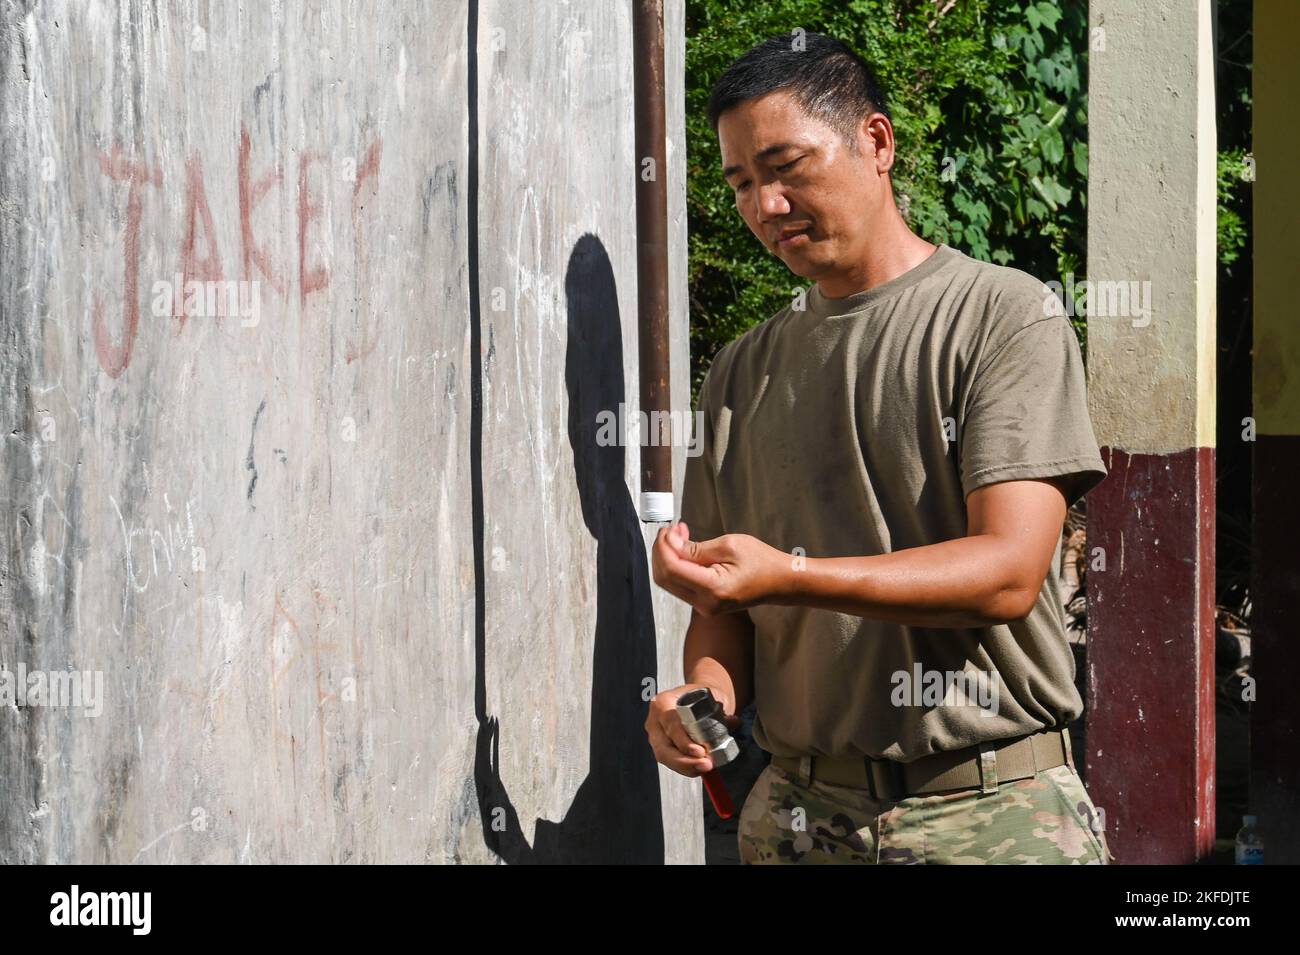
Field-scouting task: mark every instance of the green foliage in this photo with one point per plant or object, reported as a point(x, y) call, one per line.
point(989, 111)
point(1234, 174)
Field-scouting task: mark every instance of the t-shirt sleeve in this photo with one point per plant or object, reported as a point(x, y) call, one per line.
point(1027, 413)
point(700, 508)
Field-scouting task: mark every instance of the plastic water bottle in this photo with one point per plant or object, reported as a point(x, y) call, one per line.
point(1250, 847)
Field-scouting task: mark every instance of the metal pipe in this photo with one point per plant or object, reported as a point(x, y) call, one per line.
point(656, 453)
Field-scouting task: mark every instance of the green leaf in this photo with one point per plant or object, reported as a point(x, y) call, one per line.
point(1080, 149)
point(1048, 194)
point(1048, 14)
point(1060, 195)
point(1052, 145)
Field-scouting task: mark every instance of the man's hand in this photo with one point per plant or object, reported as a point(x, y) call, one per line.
point(722, 575)
point(667, 735)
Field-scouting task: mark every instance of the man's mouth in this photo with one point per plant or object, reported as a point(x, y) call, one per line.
point(787, 238)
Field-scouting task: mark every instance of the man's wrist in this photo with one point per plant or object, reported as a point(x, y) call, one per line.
point(721, 695)
point(797, 583)
point(823, 582)
point(783, 583)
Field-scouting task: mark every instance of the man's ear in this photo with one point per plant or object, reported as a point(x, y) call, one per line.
point(878, 133)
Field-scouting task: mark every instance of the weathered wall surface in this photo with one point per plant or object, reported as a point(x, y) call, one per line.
point(358, 578)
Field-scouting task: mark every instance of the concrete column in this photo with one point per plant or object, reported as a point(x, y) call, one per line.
point(1275, 580)
point(1151, 308)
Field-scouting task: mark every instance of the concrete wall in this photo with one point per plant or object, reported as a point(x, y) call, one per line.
point(357, 588)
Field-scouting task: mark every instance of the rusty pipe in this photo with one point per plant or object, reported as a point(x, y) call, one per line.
point(656, 453)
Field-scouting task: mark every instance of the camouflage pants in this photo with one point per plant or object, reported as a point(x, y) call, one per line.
point(1043, 820)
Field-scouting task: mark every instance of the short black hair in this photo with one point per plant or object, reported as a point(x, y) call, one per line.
point(827, 79)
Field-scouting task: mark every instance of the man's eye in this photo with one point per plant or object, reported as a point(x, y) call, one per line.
point(789, 165)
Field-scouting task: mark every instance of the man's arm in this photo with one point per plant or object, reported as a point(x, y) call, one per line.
point(719, 654)
point(992, 575)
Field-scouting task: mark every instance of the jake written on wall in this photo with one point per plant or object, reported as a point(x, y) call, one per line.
point(70, 689)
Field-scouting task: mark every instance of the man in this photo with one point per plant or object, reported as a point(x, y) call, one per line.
point(869, 539)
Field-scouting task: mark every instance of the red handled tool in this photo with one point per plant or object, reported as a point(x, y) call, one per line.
point(701, 715)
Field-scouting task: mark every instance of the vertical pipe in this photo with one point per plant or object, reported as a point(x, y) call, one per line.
point(656, 504)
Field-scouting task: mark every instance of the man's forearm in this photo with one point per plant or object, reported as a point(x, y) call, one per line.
point(719, 652)
point(967, 582)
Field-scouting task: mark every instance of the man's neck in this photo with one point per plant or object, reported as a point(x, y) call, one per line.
point(886, 259)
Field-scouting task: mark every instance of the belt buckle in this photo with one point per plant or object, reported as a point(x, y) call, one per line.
point(892, 772)
point(806, 770)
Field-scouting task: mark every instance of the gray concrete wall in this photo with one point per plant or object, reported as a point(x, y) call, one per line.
point(345, 606)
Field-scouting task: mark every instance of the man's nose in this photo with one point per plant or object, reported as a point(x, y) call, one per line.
point(772, 203)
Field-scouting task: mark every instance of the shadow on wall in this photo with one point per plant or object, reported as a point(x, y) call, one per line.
point(615, 815)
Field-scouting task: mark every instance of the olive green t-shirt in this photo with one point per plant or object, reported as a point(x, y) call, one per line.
point(857, 426)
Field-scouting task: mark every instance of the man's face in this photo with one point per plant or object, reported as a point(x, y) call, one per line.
point(806, 196)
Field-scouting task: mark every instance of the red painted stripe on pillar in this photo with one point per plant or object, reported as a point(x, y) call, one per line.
point(1150, 679)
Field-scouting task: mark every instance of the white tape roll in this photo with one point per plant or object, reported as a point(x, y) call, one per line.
point(657, 507)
